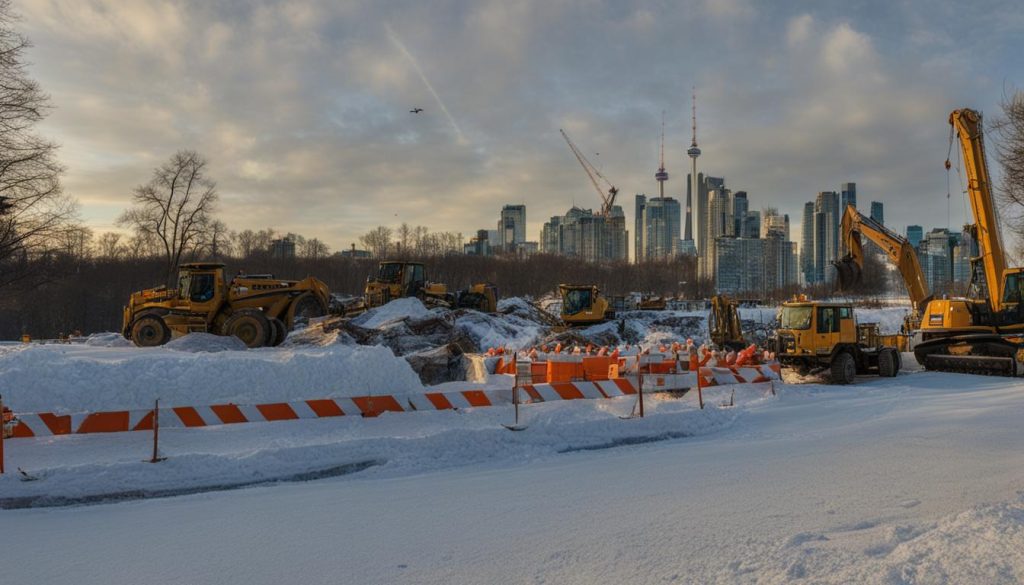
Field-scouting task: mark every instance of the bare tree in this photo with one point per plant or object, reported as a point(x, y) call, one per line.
point(216, 241)
point(1009, 129)
point(108, 246)
point(377, 241)
point(174, 207)
point(314, 249)
point(34, 212)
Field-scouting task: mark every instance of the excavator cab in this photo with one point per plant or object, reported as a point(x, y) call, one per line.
point(582, 304)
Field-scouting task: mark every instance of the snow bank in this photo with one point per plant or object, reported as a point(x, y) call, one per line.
point(107, 339)
point(76, 378)
point(206, 342)
point(393, 311)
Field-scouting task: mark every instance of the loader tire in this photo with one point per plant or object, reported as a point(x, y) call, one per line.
point(150, 331)
point(251, 326)
point(888, 363)
point(306, 307)
point(280, 332)
point(843, 369)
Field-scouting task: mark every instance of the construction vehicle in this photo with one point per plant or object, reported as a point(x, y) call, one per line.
point(258, 309)
point(724, 323)
point(397, 279)
point(900, 251)
point(815, 336)
point(582, 304)
point(983, 333)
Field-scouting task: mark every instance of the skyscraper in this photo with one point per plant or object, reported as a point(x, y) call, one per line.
point(915, 234)
point(638, 227)
point(659, 229)
point(878, 212)
point(512, 227)
point(807, 244)
point(740, 206)
point(848, 192)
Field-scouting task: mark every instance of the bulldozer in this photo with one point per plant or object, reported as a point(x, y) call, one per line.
point(397, 279)
point(724, 323)
point(258, 309)
point(582, 304)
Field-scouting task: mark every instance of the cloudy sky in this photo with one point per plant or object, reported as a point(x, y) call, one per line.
point(302, 106)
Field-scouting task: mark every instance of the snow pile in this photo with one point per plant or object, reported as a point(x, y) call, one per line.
point(107, 339)
point(509, 330)
point(397, 309)
point(206, 342)
point(77, 378)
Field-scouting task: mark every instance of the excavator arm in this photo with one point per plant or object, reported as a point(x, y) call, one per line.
point(855, 226)
point(968, 126)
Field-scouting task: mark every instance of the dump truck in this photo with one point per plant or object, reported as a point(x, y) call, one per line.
point(398, 279)
point(817, 336)
point(258, 309)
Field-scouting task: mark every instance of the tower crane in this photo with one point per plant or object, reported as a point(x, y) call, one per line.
point(607, 199)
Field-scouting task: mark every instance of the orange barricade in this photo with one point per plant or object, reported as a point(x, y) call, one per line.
point(539, 372)
point(564, 371)
point(596, 368)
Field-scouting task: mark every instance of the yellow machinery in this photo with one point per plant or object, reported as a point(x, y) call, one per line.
point(582, 304)
point(899, 250)
point(258, 309)
point(983, 333)
point(397, 280)
point(818, 336)
point(724, 323)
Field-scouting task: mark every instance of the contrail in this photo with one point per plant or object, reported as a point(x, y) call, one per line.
point(412, 61)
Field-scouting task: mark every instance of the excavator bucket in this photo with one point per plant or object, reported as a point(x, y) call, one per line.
point(848, 273)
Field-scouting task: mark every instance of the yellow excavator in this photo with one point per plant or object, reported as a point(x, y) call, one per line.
point(724, 323)
point(397, 279)
point(899, 250)
point(984, 333)
point(582, 304)
point(258, 309)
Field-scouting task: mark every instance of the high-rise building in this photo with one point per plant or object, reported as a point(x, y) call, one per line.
point(915, 234)
point(638, 227)
point(807, 244)
point(719, 222)
point(659, 229)
point(936, 260)
point(511, 227)
point(739, 265)
point(878, 212)
point(751, 227)
point(848, 196)
point(772, 222)
point(740, 206)
point(591, 237)
point(283, 248)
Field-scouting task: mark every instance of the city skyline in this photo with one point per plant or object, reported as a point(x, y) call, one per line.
point(302, 109)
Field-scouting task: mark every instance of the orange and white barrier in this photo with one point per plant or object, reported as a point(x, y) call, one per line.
point(42, 424)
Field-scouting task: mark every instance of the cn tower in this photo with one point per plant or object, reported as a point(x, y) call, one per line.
point(694, 152)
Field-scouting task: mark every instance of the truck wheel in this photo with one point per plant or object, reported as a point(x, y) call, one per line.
point(150, 331)
point(888, 363)
point(306, 307)
point(279, 332)
point(251, 326)
point(843, 369)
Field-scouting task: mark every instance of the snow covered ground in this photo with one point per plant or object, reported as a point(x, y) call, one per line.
point(909, 480)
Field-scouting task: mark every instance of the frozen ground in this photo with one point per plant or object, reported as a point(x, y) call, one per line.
point(911, 480)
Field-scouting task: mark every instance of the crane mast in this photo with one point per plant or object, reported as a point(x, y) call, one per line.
point(607, 200)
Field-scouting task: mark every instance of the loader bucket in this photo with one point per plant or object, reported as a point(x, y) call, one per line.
point(848, 273)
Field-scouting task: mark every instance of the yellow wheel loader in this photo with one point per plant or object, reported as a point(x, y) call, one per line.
point(258, 309)
point(817, 336)
point(397, 280)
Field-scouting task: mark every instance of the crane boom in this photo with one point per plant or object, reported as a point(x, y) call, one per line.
point(897, 248)
point(607, 200)
point(969, 129)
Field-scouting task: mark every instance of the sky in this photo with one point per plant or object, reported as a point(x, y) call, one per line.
point(302, 107)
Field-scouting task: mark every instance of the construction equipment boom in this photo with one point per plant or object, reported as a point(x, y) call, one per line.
point(607, 200)
point(982, 333)
point(899, 250)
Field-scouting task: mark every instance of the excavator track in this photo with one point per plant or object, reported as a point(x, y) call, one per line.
point(986, 355)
